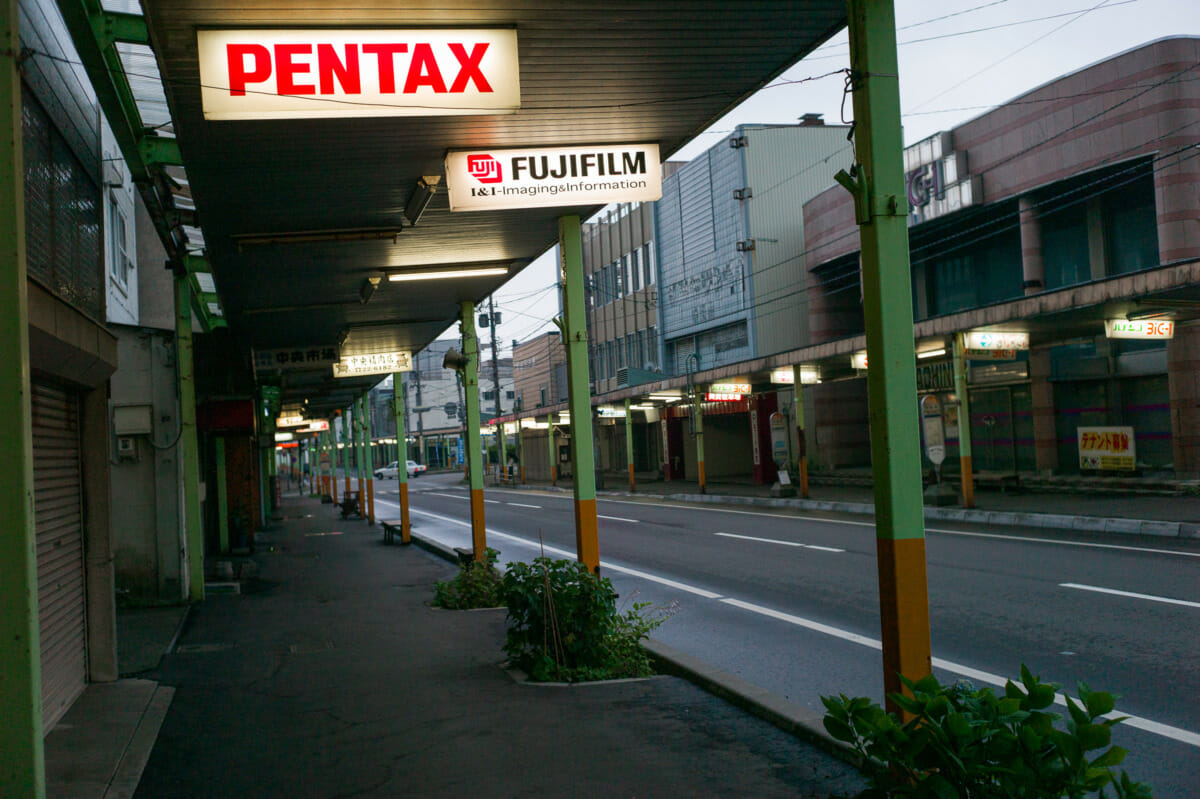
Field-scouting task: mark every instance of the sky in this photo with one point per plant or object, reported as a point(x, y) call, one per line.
point(958, 59)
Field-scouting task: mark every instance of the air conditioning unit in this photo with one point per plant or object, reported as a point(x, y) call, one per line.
point(745, 246)
point(736, 142)
point(623, 377)
point(743, 194)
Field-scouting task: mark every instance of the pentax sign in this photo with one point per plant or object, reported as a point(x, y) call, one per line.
point(301, 73)
point(1139, 328)
point(544, 177)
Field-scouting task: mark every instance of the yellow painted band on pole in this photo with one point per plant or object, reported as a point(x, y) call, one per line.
point(478, 529)
point(371, 500)
point(405, 525)
point(587, 534)
point(904, 609)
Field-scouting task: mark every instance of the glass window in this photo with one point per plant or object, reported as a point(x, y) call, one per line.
point(635, 269)
point(120, 263)
point(618, 280)
point(1065, 248)
point(649, 267)
point(612, 359)
point(620, 354)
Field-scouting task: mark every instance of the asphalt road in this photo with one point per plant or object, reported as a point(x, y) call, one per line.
point(790, 602)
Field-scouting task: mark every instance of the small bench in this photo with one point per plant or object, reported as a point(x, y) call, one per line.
point(350, 506)
point(391, 529)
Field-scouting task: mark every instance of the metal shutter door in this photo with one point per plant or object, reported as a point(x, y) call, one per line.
point(57, 510)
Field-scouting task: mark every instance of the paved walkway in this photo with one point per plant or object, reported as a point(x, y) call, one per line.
point(330, 676)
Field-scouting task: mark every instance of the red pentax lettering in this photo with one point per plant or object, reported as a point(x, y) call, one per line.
point(348, 69)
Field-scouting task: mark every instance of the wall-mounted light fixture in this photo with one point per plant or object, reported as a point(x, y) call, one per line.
point(418, 201)
point(367, 288)
point(438, 274)
point(931, 353)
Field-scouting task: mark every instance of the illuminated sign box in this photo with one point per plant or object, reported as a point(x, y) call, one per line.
point(714, 396)
point(379, 363)
point(543, 177)
point(1139, 328)
point(809, 375)
point(858, 360)
point(729, 388)
point(302, 73)
point(996, 340)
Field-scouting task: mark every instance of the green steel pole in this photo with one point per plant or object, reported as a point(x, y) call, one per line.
point(369, 459)
point(579, 397)
point(801, 436)
point(964, 421)
point(22, 757)
point(401, 463)
point(521, 449)
point(222, 495)
point(880, 209)
point(698, 432)
point(470, 380)
point(629, 443)
point(194, 523)
point(360, 456)
point(550, 443)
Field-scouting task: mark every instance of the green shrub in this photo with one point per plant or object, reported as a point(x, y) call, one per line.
point(477, 585)
point(564, 624)
point(967, 743)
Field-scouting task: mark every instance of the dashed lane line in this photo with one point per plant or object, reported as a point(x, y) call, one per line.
point(777, 541)
point(1130, 594)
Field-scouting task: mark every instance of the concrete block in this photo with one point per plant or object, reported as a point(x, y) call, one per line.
point(1168, 529)
point(1122, 525)
point(1092, 523)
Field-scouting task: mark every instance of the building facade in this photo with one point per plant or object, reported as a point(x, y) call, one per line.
point(1064, 213)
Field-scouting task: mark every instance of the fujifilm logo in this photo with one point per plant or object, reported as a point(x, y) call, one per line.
point(553, 176)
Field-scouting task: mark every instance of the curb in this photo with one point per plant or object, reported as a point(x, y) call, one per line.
point(1048, 521)
point(788, 716)
point(1099, 524)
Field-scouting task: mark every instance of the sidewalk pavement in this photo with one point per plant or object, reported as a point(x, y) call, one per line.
point(329, 675)
point(1169, 509)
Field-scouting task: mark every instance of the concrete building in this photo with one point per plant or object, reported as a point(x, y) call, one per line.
point(539, 372)
point(1069, 217)
point(71, 356)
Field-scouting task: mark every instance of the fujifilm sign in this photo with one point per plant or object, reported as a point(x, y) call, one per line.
point(486, 180)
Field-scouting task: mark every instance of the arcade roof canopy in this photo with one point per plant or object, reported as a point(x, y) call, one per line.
point(298, 215)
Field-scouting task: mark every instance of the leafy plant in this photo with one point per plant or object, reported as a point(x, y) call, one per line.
point(477, 585)
point(967, 743)
point(564, 624)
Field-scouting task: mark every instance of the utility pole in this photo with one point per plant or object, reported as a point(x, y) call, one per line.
point(496, 384)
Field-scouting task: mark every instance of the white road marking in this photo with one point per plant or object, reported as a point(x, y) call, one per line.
point(492, 501)
point(1137, 722)
point(784, 543)
point(1148, 725)
point(448, 496)
point(852, 523)
point(1131, 594)
point(618, 519)
point(523, 505)
point(1088, 544)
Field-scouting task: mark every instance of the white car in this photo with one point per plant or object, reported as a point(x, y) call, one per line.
point(391, 470)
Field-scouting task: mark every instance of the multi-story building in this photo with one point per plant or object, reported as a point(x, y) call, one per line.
point(1067, 217)
point(539, 372)
point(730, 243)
